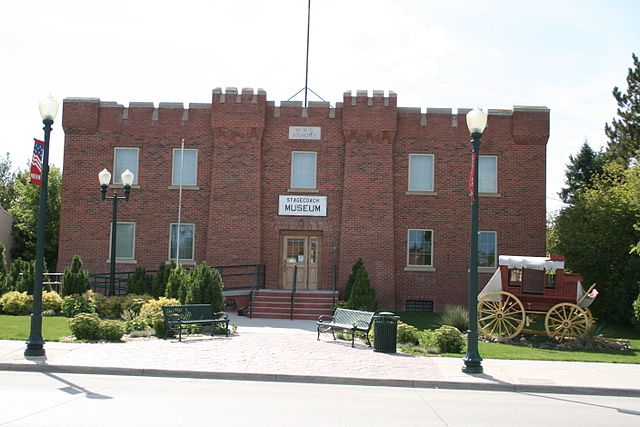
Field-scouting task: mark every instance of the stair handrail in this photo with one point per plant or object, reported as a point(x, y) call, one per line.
point(293, 289)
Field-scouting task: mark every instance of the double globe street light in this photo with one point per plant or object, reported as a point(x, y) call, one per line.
point(476, 122)
point(35, 342)
point(127, 181)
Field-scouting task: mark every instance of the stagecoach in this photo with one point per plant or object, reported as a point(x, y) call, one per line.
point(523, 288)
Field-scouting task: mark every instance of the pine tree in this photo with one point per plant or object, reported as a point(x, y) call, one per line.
point(352, 277)
point(140, 282)
point(363, 296)
point(581, 171)
point(624, 132)
point(75, 281)
point(160, 281)
point(177, 284)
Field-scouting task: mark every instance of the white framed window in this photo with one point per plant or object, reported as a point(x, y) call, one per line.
point(125, 158)
point(419, 248)
point(488, 174)
point(186, 168)
point(184, 236)
point(125, 240)
point(303, 169)
point(487, 249)
point(420, 172)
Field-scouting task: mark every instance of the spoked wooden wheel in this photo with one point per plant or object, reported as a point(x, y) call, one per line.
point(566, 319)
point(500, 314)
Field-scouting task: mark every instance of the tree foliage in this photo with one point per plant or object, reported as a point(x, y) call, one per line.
point(624, 131)
point(357, 266)
point(363, 296)
point(581, 171)
point(205, 287)
point(140, 282)
point(596, 234)
point(7, 181)
point(75, 280)
point(25, 211)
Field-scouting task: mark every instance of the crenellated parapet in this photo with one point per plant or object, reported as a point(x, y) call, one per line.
point(238, 116)
point(369, 118)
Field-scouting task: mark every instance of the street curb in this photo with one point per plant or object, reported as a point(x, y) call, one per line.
point(317, 379)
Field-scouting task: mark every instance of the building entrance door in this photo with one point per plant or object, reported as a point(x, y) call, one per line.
point(300, 252)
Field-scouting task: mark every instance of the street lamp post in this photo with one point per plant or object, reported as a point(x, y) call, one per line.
point(127, 180)
point(35, 342)
point(476, 122)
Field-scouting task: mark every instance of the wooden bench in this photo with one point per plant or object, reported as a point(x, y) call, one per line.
point(187, 316)
point(347, 320)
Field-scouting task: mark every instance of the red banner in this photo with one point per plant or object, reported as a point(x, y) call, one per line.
point(36, 163)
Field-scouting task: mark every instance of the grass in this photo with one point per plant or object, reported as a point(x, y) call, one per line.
point(18, 328)
point(517, 352)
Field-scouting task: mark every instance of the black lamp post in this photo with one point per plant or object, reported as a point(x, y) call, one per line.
point(127, 180)
point(476, 122)
point(35, 342)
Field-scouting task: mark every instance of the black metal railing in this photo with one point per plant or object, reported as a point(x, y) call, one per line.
point(293, 288)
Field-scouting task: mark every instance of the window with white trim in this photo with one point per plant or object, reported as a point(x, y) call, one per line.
point(186, 168)
point(183, 236)
point(125, 240)
point(419, 248)
point(303, 169)
point(487, 252)
point(487, 174)
point(125, 158)
point(420, 172)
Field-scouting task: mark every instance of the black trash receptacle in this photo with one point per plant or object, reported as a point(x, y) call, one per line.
point(385, 330)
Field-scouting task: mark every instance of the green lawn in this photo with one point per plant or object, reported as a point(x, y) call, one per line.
point(508, 351)
point(18, 327)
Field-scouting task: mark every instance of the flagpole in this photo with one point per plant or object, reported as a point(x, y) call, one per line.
point(180, 203)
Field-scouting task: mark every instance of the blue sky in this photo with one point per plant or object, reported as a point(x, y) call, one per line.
point(566, 55)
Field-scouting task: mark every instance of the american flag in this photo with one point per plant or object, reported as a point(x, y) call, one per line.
point(36, 164)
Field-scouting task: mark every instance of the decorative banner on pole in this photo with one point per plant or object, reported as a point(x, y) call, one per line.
point(472, 178)
point(36, 163)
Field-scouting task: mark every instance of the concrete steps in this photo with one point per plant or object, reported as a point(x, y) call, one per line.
point(276, 304)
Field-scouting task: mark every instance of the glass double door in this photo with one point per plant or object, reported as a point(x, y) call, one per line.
point(300, 259)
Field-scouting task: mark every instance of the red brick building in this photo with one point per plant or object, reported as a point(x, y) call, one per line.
point(315, 187)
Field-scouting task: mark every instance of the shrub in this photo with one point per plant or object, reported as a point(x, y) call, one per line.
point(15, 302)
point(177, 283)
point(134, 303)
point(151, 312)
point(407, 334)
point(363, 296)
point(140, 282)
point(160, 281)
point(357, 266)
point(636, 312)
point(73, 305)
point(110, 307)
point(85, 326)
point(110, 330)
point(205, 287)
point(74, 280)
point(20, 276)
point(51, 301)
point(456, 316)
point(427, 340)
point(448, 339)
point(3, 270)
point(136, 324)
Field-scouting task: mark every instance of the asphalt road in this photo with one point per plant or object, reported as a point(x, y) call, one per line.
point(47, 399)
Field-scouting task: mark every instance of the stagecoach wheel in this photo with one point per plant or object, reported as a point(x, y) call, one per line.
point(500, 314)
point(566, 319)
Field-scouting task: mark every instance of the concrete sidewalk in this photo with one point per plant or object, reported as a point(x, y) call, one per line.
point(283, 350)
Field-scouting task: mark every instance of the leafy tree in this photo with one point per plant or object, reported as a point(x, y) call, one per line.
point(357, 266)
point(624, 132)
point(581, 171)
point(24, 209)
point(596, 233)
point(363, 296)
point(7, 181)
point(75, 281)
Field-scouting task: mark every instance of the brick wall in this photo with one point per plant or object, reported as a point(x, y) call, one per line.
point(244, 164)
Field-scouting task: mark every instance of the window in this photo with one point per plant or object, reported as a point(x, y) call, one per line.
point(187, 167)
point(550, 278)
point(185, 238)
point(515, 277)
point(125, 158)
point(125, 240)
point(303, 169)
point(421, 172)
point(487, 174)
point(487, 249)
point(421, 306)
point(419, 252)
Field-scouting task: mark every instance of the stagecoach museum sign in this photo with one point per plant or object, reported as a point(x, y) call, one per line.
point(303, 205)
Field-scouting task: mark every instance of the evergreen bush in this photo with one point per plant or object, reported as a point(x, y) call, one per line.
point(177, 284)
point(134, 303)
point(85, 326)
point(3, 270)
point(357, 266)
point(109, 307)
point(110, 330)
point(205, 287)
point(75, 281)
point(140, 282)
point(636, 313)
point(407, 334)
point(448, 339)
point(160, 280)
point(363, 296)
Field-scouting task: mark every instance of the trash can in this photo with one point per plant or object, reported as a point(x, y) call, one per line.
point(385, 332)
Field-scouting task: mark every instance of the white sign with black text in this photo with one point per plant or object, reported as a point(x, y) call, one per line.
point(302, 205)
point(304, 132)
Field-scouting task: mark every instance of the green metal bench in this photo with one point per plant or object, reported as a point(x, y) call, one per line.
point(186, 316)
point(347, 320)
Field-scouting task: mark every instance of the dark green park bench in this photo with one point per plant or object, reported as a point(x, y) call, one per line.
point(179, 317)
point(344, 319)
